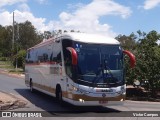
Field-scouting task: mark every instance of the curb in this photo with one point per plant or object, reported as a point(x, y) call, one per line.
point(148, 102)
point(13, 75)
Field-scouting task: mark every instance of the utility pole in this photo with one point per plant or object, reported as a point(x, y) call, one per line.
point(13, 35)
point(17, 38)
point(13, 40)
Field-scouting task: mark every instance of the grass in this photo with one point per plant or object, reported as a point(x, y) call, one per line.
point(18, 71)
point(7, 65)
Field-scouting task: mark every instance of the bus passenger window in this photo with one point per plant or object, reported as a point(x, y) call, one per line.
point(45, 57)
point(59, 58)
point(67, 57)
point(28, 55)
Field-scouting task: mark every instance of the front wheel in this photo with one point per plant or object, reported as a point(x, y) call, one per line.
point(59, 95)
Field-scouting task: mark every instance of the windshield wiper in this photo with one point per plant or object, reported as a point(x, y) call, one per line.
point(99, 75)
point(106, 75)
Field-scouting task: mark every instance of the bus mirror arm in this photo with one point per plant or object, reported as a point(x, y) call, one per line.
point(132, 58)
point(73, 54)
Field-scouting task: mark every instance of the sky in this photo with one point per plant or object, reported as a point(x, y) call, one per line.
point(107, 17)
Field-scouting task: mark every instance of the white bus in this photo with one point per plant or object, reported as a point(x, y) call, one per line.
point(79, 68)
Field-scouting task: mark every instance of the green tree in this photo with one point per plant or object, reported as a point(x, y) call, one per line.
point(28, 35)
point(147, 52)
point(5, 41)
point(148, 60)
point(128, 43)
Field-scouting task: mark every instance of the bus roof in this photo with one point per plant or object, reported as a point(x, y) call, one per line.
point(90, 38)
point(81, 37)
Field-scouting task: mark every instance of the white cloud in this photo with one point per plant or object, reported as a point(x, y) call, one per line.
point(86, 18)
point(149, 4)
point(21, 15)
point(6, 19)
point(10, 2)
point(42, 1)
point(24, 7)
point(75, 6)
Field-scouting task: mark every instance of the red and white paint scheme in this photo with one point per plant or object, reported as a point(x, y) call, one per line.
point(79, 68)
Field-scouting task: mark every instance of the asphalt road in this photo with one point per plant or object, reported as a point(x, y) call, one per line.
point(40, 102)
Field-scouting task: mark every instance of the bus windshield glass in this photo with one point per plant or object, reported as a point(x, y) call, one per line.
point(99, 64)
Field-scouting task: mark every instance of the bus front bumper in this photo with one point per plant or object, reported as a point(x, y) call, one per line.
point(97, 103)
point(84, 100)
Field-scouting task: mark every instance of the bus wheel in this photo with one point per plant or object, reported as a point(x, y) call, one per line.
point(59, 94)
point(31, 86)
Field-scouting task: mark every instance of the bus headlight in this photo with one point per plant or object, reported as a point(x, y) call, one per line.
point(74, 88)
point(79, 90)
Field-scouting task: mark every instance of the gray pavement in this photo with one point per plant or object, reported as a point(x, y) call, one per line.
point(40, 102)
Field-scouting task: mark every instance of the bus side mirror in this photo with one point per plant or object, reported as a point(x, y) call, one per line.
point(132, 58)
point(73, 54)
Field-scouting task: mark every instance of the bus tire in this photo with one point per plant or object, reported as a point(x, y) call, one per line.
point(31, 86)
point(59, 94)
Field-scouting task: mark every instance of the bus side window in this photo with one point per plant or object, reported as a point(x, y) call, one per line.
point(28, 54)
point(59, 57)
point(68, 65)
point(67, 57)
point(45, 57)
point(50, 59)
point(40, 58)
point(56, 53)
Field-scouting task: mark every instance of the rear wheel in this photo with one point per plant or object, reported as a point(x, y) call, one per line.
point(31, 86)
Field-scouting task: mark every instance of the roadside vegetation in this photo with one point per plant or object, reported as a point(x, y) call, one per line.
point(147, 71)
point(144, 46)
point(7, 66)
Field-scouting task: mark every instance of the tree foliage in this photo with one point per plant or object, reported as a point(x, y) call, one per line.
point(25, 36)
point(147, 53)
point(28, 35)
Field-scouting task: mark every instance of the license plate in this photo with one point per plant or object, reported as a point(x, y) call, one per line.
point(103, 102)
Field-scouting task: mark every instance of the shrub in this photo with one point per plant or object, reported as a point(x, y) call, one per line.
point(3, 59)
point(20, 59)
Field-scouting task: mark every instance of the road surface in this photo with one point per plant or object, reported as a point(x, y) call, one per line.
point(40, 102)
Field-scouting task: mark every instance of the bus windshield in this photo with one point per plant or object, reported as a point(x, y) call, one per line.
point(99, 64)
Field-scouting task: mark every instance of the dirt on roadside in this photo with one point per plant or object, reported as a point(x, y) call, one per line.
point(10, 101)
